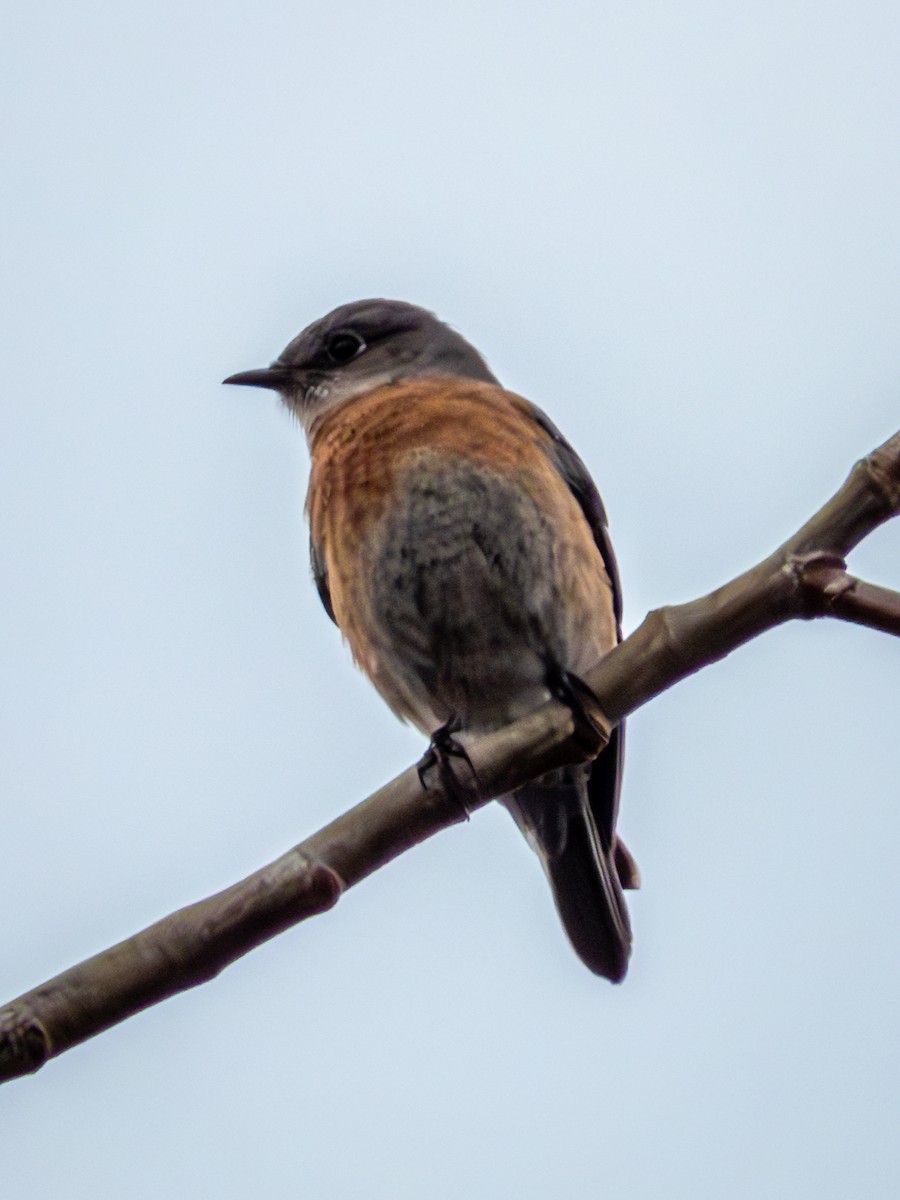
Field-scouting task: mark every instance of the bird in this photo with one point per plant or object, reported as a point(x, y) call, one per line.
point(460, 545)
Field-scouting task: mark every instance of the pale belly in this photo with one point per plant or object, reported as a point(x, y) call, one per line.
point(479, 596)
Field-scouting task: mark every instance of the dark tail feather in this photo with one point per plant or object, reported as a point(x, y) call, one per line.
point(556, 819)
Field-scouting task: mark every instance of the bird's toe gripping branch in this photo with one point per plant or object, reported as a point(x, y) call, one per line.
point(442, 749)
point(591, 727)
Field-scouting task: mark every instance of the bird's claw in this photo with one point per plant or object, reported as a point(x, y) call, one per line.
point(591, 727)
point(441, 749)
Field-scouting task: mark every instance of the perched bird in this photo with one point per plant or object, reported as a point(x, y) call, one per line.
point(461, 547)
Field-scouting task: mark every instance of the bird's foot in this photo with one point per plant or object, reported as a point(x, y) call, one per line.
point(591, 727)
point(442, 748)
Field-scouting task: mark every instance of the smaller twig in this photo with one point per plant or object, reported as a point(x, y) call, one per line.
point(836, 593)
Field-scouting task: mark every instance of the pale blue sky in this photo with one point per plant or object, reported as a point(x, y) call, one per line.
point(674, 225)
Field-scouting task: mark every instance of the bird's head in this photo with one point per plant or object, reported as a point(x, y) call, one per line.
point(359, 347)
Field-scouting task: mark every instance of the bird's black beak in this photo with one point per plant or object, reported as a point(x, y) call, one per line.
point(276, 376)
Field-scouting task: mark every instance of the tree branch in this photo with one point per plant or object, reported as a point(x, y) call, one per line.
point(805, 578)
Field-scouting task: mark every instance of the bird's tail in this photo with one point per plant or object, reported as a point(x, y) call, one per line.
point(586, 876)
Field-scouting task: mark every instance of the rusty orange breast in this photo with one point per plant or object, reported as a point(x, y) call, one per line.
point(359, 450)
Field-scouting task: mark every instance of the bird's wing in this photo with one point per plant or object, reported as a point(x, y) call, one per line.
point(606, 777)
point(578, 479)
point(320, 576)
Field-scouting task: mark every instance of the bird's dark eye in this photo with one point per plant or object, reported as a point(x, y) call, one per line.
point(343, 346)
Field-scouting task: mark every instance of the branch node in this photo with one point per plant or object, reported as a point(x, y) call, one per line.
point(24, 1044)
point(882, 468)
point(822, 578)
point(662, 624)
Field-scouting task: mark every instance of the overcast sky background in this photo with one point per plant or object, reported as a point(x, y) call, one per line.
point(676, 227)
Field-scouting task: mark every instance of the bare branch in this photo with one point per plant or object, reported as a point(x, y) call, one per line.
point(193, 945)
point(805, 578)
point(187, 948)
